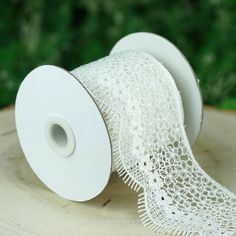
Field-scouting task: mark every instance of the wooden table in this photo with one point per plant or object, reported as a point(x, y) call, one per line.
point(27, 207)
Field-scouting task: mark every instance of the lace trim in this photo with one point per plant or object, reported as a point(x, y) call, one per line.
point(142, 110)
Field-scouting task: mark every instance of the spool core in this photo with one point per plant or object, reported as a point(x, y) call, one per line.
point(59, 135)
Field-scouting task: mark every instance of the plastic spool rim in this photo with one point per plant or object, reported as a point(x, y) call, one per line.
point(63, 134)
point(178, 66)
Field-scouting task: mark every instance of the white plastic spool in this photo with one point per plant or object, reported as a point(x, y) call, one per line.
point(62, 132)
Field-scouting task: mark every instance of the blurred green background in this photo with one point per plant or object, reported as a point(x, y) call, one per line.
point(69, 33)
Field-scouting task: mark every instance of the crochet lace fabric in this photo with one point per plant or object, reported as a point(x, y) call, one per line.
point(142, 109)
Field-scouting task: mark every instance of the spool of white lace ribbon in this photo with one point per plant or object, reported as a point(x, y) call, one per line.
point(142, 110)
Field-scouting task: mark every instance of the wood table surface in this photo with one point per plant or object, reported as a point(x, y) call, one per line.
point(27, 207)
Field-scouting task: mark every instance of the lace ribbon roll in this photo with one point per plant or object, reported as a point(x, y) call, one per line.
point(142, 111)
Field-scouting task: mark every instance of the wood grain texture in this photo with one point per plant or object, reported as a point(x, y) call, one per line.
point(27, 207)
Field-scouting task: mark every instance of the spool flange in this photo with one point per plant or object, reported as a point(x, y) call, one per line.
point(63, 134)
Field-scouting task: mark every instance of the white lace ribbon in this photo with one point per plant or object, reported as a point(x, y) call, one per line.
point(142, 109)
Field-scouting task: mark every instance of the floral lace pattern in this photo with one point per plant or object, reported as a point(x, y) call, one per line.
point(141, 106)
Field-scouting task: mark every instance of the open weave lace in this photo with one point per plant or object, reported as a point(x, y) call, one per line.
point(142, 109)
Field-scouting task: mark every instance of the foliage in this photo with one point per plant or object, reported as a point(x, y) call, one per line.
point(229, 103)
point(69, 33)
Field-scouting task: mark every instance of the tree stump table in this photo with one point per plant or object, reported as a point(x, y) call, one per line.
point(27, 207)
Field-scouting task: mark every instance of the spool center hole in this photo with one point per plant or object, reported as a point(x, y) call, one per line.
point(58, 135)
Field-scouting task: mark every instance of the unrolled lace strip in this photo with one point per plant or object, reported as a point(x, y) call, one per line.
point(142, 109)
